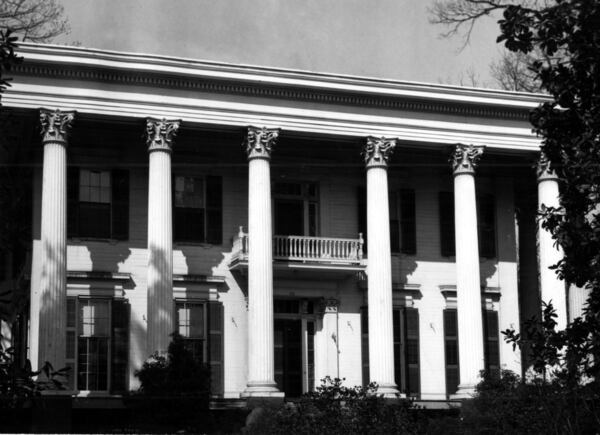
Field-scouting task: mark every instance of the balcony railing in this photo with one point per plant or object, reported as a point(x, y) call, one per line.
point(306, 249)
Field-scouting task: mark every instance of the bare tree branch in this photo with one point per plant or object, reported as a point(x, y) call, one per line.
point(34, 20)
point(512, 72)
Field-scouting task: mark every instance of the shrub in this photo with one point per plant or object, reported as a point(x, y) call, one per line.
point(174, 391)
point(336, 409)
point(508, 405)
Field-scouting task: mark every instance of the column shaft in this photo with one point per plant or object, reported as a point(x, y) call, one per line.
point(53, 283)
point(160, 247)
point(468, 287)
point(381, 331)
point(551, 287)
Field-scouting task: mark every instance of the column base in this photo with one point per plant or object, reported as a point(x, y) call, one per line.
point(262, 389)
point(389, 391)
point(465, 391)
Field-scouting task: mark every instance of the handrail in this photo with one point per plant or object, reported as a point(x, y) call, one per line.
point(306, 248)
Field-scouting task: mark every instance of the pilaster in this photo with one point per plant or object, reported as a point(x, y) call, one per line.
point(379, 267)
point(160, 134)
point(470, 323)
point(53, 282)
point(261, 372)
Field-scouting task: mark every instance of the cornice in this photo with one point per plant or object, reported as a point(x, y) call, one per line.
point(158, 71)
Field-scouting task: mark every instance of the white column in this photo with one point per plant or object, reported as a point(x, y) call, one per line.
point(160, 135)
point(379, 267)
point(468, 285)
point(53, 282)
point(551, 287)
point(261, 372)
point(578, 297)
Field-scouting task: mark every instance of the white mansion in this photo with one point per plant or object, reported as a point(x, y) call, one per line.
point(289, 225)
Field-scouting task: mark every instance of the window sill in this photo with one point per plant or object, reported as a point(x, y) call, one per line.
point(82, 240)
point(194, 244)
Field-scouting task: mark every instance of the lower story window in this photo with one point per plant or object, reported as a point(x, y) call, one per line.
point(97, 343)
point(190, 320)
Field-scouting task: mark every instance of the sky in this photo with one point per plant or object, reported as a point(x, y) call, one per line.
point(390, 39)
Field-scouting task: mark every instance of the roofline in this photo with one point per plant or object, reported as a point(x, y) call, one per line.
point(268, 76)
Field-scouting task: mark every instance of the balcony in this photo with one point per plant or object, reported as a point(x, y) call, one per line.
point(303, 252)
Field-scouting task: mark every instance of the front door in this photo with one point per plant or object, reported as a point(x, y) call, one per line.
point(288, 356)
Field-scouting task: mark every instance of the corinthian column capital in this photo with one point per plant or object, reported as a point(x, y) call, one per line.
point(464, 159)
point(55, 125)
point(260, 141)
point(544, 172)
point(160, 133)
point(378, 151)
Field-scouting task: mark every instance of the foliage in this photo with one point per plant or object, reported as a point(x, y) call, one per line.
point(174, 391)
point(507, 405)
point(18, 383)
point(34, 20)
point(8, 57)
point(336, 409)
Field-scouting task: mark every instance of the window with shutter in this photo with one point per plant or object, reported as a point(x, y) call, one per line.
point(197, 209)
point(406, 350)
point(98, 203)
point(408, 223)
point(451, 351)
point(362, 214)
point(446, 216)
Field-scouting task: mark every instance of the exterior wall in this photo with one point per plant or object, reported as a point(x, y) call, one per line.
point(339, 357)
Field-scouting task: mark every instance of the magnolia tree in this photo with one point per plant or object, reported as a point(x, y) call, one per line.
point(560, 42)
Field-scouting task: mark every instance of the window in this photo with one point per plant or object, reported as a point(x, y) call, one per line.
point(197, 204)
point(98, 203)
point(486, 225)
point(97, 344)
point(451, 351)
point(296, 209)
point(201, 326)
point(190, 320)
point(406, 349)
point(403, 233)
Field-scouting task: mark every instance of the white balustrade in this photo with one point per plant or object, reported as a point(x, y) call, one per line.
point(304, 248)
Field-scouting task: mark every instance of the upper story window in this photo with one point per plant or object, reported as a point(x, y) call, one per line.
point(486, 224)
point(296, 209)
point(403, 231)
point(197, 205)
point(98, 203)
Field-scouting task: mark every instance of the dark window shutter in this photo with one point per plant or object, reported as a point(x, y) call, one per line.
point(120, 345)
point(446, 212)
point(451, 351)
point(215, 342)
point(408, 221)
point(394, 222)
point(362, 214)
point(486, 225)
point(214, 210)
point(120, 204)
point(72, 201)
point(491, 342)
point(364, 322)
point(411, 348)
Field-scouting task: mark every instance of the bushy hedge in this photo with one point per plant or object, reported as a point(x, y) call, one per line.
point(336, 409)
